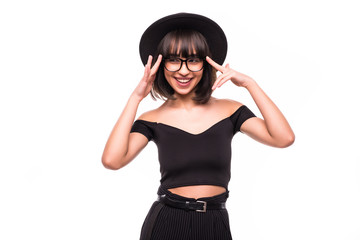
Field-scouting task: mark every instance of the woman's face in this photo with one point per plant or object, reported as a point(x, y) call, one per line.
point(183, 81)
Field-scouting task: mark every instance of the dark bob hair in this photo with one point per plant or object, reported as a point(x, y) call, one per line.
point(184, 42)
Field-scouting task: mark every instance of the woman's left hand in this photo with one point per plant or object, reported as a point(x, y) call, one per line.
point(237, 78)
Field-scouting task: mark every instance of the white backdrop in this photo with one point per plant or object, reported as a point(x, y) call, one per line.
point(67, 69)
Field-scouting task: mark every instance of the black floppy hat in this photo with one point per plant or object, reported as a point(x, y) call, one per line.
point(212, 32)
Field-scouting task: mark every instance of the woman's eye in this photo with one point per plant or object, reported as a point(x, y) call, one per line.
point(193, 60)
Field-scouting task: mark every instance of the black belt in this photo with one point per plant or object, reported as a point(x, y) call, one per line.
point(199, 206)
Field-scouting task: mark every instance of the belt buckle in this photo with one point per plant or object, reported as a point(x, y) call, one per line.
point(204, 206)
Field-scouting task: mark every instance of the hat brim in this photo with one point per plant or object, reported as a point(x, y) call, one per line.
point(212, 32)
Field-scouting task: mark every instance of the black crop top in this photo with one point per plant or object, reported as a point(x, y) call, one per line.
point(194, 159)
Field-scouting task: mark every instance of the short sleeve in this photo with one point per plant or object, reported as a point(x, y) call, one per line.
point(240, 116)
point(144, 128)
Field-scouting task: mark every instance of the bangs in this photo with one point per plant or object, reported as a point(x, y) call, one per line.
point(184, 43)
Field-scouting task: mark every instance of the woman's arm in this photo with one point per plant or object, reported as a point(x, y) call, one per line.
point(122, 147)
point(273, 130)
point(116, 153)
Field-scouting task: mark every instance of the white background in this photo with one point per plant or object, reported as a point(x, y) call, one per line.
point(68, 67)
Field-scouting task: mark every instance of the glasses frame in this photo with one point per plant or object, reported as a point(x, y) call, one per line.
point(186, 64)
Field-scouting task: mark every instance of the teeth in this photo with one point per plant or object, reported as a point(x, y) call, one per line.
point(183, 80)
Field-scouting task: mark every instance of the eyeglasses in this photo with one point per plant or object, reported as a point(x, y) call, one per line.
point(193, 64)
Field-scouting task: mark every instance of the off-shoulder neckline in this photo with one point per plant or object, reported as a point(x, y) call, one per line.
point(193, 134)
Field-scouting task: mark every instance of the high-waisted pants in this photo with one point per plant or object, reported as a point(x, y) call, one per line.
point(167, 223)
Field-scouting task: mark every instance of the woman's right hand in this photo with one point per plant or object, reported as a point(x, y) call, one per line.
point(145, 85)
point(122, 146)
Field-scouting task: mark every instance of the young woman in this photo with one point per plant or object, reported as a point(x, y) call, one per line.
point(192, 129)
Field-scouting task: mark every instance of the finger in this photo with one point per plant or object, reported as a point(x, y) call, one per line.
point(148, 64)
point(220, 79)
point(149, 60)
point(226, 77)
point(147, 68)
point(223, 81)
point(146, 73)
point(155, 68)
point(158, 61)
point(215, 65)
point(216, 83)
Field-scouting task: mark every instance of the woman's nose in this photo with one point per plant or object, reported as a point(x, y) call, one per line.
point(184, 70)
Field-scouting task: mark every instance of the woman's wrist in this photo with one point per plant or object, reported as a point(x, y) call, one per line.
point(250, 83)
point(135, 99)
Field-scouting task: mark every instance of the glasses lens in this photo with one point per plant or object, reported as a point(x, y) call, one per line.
point(173, 64)
point(194, 64)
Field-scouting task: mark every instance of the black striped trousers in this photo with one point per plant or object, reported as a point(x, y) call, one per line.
point(167, 223)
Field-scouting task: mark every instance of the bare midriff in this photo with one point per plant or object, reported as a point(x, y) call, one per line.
point(198, 191)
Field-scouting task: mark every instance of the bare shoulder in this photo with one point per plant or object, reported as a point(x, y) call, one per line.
point(229, 105)
point(150, 116)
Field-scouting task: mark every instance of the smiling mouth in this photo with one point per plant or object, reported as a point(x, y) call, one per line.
point(183, 80)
